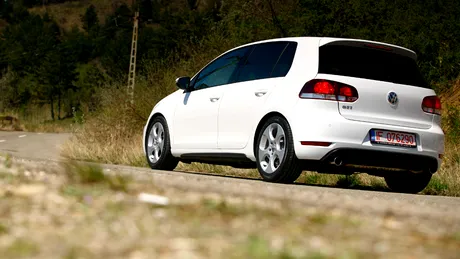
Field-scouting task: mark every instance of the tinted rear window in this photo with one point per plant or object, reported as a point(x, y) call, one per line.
point(261, 61)
point(370, 64)
point(268, 60)
point(285, 62)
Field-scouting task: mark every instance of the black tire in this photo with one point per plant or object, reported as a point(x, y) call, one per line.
point(289, 167)
point(165, 160)
point(408, 182)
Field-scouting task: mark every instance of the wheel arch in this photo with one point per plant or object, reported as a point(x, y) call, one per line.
point(259, 127)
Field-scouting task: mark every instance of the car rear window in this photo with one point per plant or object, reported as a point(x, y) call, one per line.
point(369, 63)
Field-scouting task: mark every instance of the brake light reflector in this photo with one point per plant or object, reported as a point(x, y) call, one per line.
point(328, 90)
point(315, 143)
point(432, 104)
point(375, 46)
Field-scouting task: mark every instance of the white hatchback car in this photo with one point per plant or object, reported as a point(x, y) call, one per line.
point(322, 104)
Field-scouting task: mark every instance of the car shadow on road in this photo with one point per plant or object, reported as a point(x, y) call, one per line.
point(345, 182)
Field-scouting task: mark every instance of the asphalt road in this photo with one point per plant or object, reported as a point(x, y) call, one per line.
point(44, 148)
point(29, 145)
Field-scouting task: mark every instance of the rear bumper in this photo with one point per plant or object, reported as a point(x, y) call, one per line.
point(351, 140)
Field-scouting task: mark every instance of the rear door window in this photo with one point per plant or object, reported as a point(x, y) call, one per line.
point(267, 60)
point(285, 62)
point(369, 63)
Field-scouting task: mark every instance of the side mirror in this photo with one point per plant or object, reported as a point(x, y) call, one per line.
point(183, 82)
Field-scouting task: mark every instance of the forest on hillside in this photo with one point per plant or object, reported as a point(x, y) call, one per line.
point(42, 63)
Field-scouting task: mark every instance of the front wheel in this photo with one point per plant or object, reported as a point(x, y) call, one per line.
point(274, 150)
point(157, 145)
point(408, 182)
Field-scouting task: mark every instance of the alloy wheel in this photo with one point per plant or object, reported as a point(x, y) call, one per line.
point(272, 148)
point(155, 143)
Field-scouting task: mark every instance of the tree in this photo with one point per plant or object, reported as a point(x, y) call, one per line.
point(146, 10)
point(90, 19)
point(28, 42)
point(56, 76)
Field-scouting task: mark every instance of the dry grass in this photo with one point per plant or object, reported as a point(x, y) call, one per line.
point(73, 212)
point(218, 170)
point(87, 148)
point(447, 180)
point(117, 147)
point(452, 96)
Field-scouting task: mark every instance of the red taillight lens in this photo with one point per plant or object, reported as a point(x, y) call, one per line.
point(328, 90)
point(346, 91)
point(432, 104)
point(324, 87)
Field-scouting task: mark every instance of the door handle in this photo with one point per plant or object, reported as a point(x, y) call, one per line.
point(214, 99)
point(260, 93)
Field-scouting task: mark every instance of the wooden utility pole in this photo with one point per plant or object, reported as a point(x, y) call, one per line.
point(132, 61)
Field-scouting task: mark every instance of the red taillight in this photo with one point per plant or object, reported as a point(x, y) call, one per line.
point(431, 104)
point(328, 90)
point(346, 91)
point(324, 87)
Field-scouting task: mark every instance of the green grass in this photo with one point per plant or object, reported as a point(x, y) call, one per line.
point(3, 229)
point(436, 187)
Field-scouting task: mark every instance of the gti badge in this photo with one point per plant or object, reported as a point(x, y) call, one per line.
point(392, 98)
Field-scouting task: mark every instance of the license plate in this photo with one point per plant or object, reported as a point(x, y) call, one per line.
point(393, 138)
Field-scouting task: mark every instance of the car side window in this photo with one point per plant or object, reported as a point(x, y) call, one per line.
point(285, 62)
point(262, 61)
point(220, 71)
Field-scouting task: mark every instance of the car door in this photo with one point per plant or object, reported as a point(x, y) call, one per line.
point(243, 101)
point(195, 118)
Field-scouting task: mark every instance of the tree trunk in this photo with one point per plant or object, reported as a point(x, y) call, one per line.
point(52, 108)
point(59, 106)
point(276, 21)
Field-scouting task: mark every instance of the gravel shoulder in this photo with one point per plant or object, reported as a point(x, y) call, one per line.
point(45, 212)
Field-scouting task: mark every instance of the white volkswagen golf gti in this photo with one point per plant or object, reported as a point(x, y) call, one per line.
point(329, 105)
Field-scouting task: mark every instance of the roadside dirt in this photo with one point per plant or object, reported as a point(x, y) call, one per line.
point(46, 213)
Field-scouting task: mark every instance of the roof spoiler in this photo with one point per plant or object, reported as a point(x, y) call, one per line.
point(369, 44)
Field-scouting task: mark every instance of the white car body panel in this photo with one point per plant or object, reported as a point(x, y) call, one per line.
point(246, 98)
point(195, 119)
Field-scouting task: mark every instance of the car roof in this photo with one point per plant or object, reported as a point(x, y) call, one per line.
point(346, 41)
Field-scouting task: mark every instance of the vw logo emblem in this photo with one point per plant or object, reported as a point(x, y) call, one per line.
point(392, 98)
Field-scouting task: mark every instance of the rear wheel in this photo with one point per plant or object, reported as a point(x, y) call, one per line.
point(158, 146)
point(274, 150)
point(408, 182)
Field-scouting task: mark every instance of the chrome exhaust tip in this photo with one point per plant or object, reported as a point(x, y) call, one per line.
point(338, 161)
